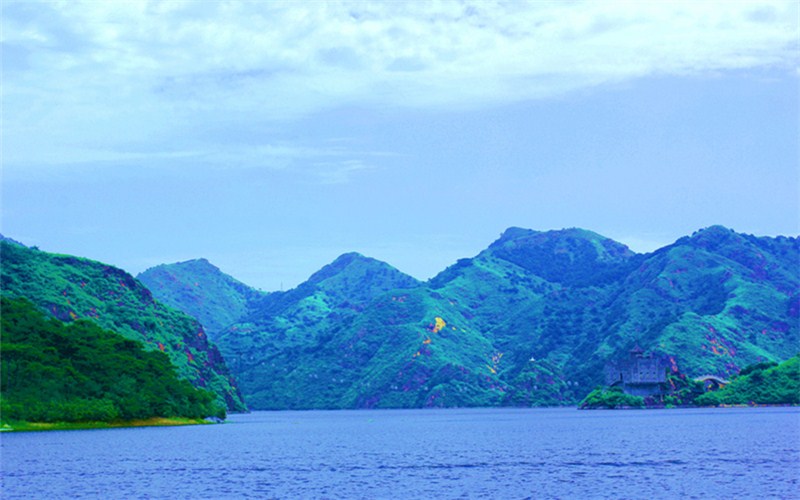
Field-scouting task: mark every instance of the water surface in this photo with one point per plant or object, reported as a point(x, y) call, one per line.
point(497, 453)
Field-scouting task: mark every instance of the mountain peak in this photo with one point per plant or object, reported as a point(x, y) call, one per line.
point(350, 257)
point(200, 289)
point(11, 240)
point(563, 256)
point(340, 264)
point(531, 236)
point(191, 264)
point(513, 233)
point(713, 237)
point(716, 227)
point(355, 263)
point(558, 240)
point(713, 231)
point(200, 262)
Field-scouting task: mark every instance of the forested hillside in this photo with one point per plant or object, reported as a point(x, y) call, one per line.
point(763, 383)
point(71, 288)
point(67, 372)
point(531, 320)
point(200, 289)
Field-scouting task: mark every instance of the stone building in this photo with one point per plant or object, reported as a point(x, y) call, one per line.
point(639, 374)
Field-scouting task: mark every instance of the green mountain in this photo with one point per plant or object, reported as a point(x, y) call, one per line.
point(71, 288)
point(10, 240)
point(301, 321)
point(717, 301)
point(201, 290)
point(68, 372)
point(531, 320)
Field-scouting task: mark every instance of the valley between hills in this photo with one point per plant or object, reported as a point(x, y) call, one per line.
point(530, 321)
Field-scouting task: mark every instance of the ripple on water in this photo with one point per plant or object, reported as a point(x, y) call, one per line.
point(421, 454)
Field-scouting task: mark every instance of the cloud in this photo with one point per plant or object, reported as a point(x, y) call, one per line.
point(338, 172)
point(327, 164)
point(81, 75)
point(341, 49)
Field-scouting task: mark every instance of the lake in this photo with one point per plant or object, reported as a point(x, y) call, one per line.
point(459, 453)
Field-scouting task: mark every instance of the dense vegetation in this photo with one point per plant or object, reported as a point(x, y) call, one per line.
point(52, 371)
point(611, 398)
point(201, 290)
point(679, 390)
point(529, 321)
point(764, 383)
point(71, 288)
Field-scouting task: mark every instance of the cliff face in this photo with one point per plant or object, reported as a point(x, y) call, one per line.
point(70, 288)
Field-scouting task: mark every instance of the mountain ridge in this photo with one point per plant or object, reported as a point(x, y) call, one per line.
point(530, 320)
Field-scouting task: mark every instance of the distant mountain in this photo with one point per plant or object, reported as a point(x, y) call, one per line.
point(717, 301)
point(714, 302)
point(71, 288)
point(348, 283)
point(201, 290)
point(572, 257)
point(531, 320)
point(288, 326)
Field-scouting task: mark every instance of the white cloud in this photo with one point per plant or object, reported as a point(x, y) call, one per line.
point(101, 74)
point(342, 49)
point(338, 172)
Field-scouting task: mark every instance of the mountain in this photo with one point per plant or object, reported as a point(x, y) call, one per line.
point(289, 328)
point(716, 300)
point(572, 257)
point(71, 288)
point(531, 320)
point(10, 240)
point(68, 372)
point(201, 290)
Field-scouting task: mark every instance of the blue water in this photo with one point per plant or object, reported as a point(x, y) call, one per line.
point(491, 453)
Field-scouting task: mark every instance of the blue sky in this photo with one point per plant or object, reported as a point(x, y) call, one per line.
point(272, 137)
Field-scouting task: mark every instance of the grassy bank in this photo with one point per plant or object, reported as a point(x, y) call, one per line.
point(64, 426)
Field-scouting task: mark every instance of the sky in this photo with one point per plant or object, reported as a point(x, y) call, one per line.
point(271, 137)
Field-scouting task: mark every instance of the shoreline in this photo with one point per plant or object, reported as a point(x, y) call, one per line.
point(69, 426)
point(684, 407)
